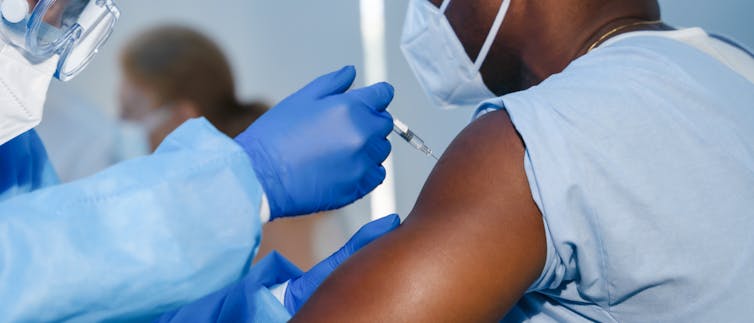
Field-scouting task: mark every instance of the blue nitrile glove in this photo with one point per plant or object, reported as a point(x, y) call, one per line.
point(322, 147)
point(250, 300)
point(300, 289)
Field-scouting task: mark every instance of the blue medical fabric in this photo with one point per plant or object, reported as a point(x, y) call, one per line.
point(139, 239)
point(24, 166)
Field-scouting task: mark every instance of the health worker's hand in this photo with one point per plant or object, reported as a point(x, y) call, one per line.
point(300, 289)
point(321, 148)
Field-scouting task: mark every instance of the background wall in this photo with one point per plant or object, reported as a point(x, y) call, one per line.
point(278, 46)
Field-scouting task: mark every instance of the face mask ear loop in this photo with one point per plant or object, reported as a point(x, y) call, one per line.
point(444, 6)
point(493, 34)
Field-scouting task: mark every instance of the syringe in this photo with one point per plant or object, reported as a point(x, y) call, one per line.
point(402, 130)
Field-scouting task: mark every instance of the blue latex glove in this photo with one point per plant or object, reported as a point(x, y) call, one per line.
point(322, 147)
point(250, 301)
point(300, 289)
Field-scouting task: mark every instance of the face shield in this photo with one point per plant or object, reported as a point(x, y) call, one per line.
point(72, 29)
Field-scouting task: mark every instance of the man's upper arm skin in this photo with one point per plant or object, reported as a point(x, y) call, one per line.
point(468, 251)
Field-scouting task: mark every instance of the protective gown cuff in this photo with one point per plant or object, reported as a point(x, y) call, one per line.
point(249, 300)
point(266, 172)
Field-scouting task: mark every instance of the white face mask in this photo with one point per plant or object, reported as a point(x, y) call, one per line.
point(132, 141)
point(438, 57)
point(23, 90)
point(133, 138)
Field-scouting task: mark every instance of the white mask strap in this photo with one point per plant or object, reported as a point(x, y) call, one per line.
point(493, 33)
point(444, 6)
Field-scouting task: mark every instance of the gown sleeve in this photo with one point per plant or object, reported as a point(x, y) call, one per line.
point(141, 238)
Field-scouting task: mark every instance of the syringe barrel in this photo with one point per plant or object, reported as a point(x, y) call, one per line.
point(402, 130)
point(399, 126)
point(415, 141)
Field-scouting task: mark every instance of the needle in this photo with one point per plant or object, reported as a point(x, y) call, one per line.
point(402, 130)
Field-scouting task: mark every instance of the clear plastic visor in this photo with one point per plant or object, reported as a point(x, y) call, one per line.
point(73, 29)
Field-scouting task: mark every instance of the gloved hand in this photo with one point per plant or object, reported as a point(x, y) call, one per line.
point(322, 147)
point(300, 289)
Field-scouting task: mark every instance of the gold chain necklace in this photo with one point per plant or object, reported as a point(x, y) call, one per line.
point(617, 29)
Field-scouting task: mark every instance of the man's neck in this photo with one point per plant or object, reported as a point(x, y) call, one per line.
point(549, 50)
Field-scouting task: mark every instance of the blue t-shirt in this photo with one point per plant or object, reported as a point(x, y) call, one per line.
point(640, 156)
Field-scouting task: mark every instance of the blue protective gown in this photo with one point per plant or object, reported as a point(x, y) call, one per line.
point(139, 239)
point(24, 166)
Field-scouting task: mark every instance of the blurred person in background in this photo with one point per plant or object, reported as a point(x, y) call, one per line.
point(171, 74)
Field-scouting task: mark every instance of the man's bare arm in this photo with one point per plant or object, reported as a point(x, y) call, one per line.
point(468, 251)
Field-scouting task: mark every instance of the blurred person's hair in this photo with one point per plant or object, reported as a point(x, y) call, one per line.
point(181, 64)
